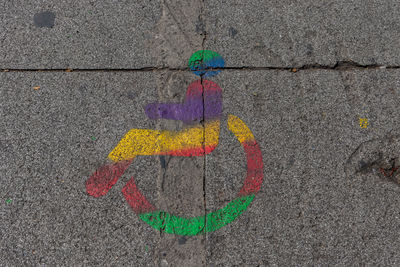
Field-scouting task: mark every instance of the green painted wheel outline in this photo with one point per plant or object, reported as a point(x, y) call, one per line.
point(171, 224)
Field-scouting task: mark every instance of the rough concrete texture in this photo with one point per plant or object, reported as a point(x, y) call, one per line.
point(122, 34)
point(309, 212)
point(285, 33)
point(331, 191)
point(99, 35)
point(53, 139)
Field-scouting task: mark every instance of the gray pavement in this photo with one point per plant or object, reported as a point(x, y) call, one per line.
point(330, 194)
point(297, 33)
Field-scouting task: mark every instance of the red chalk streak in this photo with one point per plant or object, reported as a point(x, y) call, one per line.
point(255, 165)
point(196, 88)
point(105, 177)
point(198, 151)
point(135, 199)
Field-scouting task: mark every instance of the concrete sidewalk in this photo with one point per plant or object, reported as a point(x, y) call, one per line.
point(317, 84)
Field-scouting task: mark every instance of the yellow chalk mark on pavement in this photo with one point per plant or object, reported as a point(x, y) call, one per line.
point(150, 142)
point(364, 123)
point(240, 129)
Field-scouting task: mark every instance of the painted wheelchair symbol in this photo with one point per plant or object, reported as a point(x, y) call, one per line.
point(203, 101)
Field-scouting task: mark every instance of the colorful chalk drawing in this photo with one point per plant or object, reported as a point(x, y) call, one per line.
point(203, 101)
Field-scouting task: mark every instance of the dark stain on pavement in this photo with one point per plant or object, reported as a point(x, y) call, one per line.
point(378, 157)
point(200, 27)
point(291, 161)
point(364, 166)
point(162, 162)
point(309, 49)
point(232, 32)
point(44, 19)
point(182, 240)
point(131, 95)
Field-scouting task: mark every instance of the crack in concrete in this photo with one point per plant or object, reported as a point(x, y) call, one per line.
point(204, 33)
point(164, 164)
point(338, 66)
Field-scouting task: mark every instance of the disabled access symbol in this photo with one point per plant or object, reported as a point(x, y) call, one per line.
point(203, 102)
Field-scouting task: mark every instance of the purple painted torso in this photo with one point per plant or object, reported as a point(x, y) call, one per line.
point(196, 106)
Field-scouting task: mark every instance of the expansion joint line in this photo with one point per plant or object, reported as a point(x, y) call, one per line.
point(339, 66)
point(204, 157)
point(204, 33)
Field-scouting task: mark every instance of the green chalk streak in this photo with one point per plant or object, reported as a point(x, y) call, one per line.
point(202, 55)
point(8, 201)
point(172, 224)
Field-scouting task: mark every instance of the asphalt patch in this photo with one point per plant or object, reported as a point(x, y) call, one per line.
point(44, 19)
